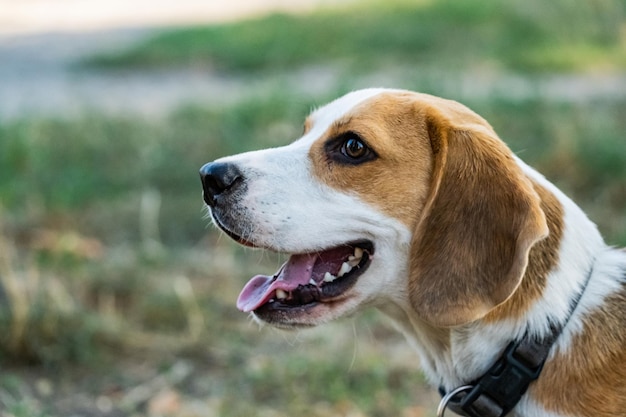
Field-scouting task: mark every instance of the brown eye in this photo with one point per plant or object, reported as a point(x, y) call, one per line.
point(350, 149)
point(354, 148)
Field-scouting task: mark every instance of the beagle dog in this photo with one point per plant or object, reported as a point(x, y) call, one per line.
point(411, 204)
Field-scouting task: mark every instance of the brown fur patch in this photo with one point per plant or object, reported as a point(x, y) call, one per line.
point(588, 379)
point(397, 181)
point(542, 258)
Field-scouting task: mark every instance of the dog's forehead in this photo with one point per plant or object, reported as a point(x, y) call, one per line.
point(322, 118)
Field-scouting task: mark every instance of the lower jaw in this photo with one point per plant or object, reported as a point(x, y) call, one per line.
point(283, 319)
point(293, 317)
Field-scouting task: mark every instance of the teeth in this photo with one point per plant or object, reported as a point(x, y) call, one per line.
point(328, 277)
point(353, 260)
point(280, 294)
point(345, 268)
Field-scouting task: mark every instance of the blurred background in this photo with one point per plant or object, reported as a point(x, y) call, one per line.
point(117, 297)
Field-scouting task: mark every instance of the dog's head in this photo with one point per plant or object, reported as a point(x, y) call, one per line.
point(388, 197)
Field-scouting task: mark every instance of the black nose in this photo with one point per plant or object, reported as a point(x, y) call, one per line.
point(218, 178)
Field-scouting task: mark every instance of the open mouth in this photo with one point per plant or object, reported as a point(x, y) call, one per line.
point(307, 279)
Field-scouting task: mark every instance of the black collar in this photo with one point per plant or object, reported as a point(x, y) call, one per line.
point(500, 389)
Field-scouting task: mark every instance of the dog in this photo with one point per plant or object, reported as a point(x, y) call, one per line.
point(412, 204)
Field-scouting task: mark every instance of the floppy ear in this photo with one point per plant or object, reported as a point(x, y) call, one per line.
point(470, 248)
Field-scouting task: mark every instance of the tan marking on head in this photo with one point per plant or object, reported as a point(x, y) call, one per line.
point(397, 180)
point(443, 171)
point(542, 259)
point(589, 380)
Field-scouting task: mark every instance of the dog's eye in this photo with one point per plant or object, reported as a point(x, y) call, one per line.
point(354, 148)
point(350, 149)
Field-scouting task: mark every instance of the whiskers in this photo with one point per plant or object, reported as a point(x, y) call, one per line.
point(355, 349)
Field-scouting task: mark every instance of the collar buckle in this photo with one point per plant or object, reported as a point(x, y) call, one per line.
point(500, 389)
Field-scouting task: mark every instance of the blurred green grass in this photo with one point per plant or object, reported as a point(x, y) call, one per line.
point(113, 281)
point(517, 35)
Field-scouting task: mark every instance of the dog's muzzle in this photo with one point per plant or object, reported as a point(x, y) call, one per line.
point(219, 179)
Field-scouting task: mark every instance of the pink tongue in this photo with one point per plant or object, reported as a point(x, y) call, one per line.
point(296, 271)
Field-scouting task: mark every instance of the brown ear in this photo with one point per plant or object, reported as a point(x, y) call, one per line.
point(471, 244)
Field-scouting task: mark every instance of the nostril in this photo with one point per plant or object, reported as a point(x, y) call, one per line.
point(217, 178)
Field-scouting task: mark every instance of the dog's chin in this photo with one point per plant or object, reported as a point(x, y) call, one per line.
point(311, 288)
point(306, 316)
